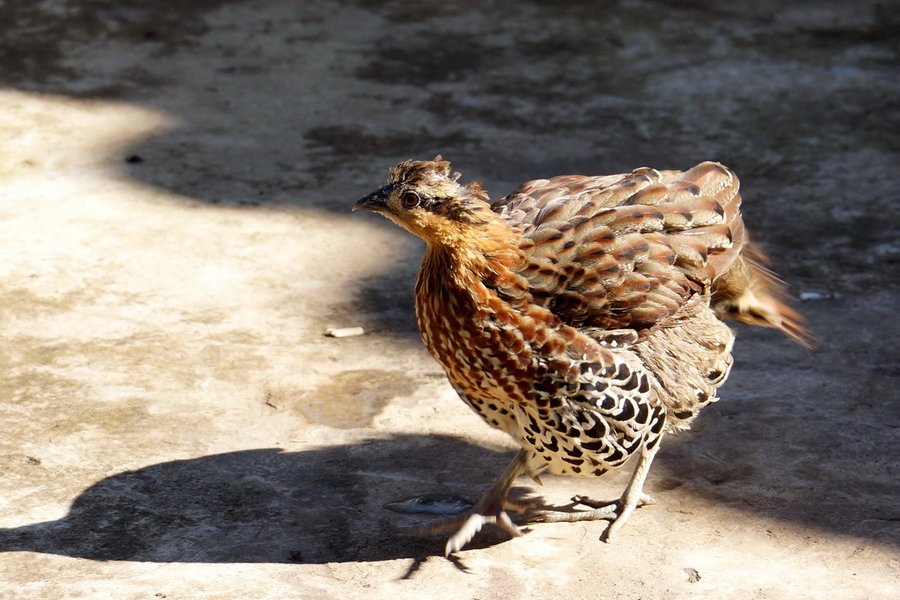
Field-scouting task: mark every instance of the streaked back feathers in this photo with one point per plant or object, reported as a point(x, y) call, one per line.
point(610, 252)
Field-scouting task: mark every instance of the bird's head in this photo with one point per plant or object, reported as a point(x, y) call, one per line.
point(423, 197)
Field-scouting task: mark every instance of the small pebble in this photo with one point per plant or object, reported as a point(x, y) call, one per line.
point(340, 332)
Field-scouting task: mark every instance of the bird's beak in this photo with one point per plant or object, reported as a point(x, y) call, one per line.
point(376, 201)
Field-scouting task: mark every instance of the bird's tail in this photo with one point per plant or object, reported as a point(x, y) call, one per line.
point(751, 293)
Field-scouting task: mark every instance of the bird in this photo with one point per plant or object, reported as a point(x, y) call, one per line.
point(582, 315)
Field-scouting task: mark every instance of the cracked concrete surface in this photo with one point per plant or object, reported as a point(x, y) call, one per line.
point(175, 227)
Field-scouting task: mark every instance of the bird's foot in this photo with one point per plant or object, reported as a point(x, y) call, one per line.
point(473, 525)
point(490, 509)
point(469, 524)
point(643, 500)
point(617, 512)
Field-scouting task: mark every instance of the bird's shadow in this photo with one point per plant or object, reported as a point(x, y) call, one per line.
point(268, 505)
point(327, 504)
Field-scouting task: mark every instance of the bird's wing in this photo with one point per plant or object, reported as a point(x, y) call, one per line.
point(625, 251)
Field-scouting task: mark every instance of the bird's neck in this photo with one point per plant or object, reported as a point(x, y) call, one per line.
point(478, 259)
point(476, 280)
point(464, 287)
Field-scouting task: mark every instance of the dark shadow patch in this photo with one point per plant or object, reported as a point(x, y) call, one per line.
point(267, 505)
point(327, 504)
point(31, 39)
point(421, 59)
point(340, 144)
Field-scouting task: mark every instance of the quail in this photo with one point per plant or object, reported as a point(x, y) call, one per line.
point(582, 315)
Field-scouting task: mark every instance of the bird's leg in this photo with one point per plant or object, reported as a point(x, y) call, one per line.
point(490, 509)
point(619, 511)
point(634, 493)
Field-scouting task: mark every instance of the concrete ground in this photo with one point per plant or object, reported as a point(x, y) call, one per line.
point(175, 185)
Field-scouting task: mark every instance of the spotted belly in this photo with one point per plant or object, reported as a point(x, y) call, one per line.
point(591, 425)
point(496, 411)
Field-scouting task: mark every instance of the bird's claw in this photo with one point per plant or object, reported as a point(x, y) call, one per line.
point(608, 511)
point(520, 506)
point(468, 525)
point(473, 524)
point(617, 512)
point(644, 500)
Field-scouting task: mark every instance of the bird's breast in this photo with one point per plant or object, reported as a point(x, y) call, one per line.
point(484, 357)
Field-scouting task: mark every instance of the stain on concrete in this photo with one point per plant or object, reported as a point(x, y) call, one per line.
point(24, 302)
point(353, 398)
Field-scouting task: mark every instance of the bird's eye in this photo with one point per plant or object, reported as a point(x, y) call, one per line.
point(410, 199)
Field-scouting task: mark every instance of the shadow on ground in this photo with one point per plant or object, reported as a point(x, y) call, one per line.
point(267, 505)
point(262, 505)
